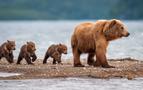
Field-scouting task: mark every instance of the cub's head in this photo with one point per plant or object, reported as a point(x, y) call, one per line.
point(115, 29)
point(10, 45)
point(62, 48)
point(31, 47)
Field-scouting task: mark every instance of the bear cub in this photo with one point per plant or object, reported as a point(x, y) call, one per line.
point(6, 50)
point(27, 52)
point(55, 52)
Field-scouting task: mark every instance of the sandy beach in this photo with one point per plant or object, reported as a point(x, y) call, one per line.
point(125, 68)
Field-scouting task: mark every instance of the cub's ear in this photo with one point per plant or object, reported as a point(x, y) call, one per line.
point(60, 44)
point(8, 41)
point(27, 42)
point(113, 22)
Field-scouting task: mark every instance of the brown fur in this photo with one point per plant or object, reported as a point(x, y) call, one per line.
point(93, 38)
point(55, 51)
point(28, 53)
point(6, 50)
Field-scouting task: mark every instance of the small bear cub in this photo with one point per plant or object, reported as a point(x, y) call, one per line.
point(6, 50)
point(28, 53)
point(55, 52)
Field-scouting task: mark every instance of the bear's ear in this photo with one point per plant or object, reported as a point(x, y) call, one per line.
point(27, 42)
point(113, 22)
point(8, 41)
point(60, 44)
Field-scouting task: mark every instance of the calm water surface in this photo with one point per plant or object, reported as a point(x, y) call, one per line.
point(72, 84)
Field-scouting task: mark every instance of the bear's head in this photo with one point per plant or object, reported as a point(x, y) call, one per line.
point(115, 29)
point(62, 48)
point(10, 45)
point(31, 47)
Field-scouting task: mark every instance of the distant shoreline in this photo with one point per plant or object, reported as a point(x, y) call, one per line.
point(125, 68)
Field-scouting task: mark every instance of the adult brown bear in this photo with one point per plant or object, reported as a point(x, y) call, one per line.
point(93, 38)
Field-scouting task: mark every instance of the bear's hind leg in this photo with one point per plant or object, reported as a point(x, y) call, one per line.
point(76, 55)
point(90, 60)
point(28, 59)
point(19, 60)
point(20, 57)
point(45, 58)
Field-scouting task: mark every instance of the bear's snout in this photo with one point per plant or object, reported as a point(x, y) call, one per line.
point(127, 34)
point(14, 48)
point(34, 49)
point(65, 53)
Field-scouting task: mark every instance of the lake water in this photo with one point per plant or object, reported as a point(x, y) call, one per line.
point(45, 33)
point(72, 84)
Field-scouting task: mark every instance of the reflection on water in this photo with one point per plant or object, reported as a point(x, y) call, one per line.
point(72, 84)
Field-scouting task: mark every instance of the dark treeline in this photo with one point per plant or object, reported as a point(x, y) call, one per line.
point(70, 9)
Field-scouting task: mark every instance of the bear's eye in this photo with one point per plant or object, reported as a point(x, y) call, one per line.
point(122, 28)
point(31, 46)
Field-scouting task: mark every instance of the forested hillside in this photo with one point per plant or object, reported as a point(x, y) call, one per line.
point(70, 9)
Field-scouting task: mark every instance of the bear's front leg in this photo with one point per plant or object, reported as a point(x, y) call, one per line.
point(54, 61)
point(9, 57)
point(57, 58)
point(0, 56)
point(101, 57)
point(34, 57)
point(28, 59)
point(60, 61)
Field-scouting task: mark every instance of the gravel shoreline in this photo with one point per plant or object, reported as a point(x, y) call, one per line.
point(125, 68)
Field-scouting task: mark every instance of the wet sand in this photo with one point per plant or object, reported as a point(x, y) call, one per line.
point(125, 68)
